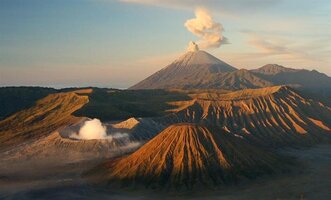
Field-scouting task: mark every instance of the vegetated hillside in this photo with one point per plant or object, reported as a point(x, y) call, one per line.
point(110, 104)
point(269, 116)
point(49, 114)
point(186, 156)
point(14, 99)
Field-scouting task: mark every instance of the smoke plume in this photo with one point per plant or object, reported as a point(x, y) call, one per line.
point(209, 32)
point(92, 129)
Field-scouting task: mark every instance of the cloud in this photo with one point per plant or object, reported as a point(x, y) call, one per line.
point(219, 5)
point(209, 32)
point(120, 136)
point(285, 33)
point(283, 50)
point(91, 130)
point(268, 46)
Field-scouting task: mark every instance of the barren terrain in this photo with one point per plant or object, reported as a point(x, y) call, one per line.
point(44, 180)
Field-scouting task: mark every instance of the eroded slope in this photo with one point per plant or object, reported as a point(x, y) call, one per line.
point(184, 156)
point(271, 116)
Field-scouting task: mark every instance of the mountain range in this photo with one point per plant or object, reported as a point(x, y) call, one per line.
point(200, 70)
point(198, 123)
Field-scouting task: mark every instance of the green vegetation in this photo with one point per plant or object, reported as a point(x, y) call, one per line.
point(111, 104)
point(14, 99)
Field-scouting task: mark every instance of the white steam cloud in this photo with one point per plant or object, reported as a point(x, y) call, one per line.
point(91, 130)
point(209, 32)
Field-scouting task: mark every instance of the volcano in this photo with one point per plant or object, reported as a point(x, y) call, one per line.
point(186, 155)
point(199, 69)
point(194, 69)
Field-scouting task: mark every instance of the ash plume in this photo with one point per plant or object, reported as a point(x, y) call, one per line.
point(209, 31)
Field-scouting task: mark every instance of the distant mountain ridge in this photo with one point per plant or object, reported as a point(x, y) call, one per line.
point(273, 69)
point(300, 78)
point(200, 70)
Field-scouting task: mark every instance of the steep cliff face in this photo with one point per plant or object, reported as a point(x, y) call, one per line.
point(184, 156)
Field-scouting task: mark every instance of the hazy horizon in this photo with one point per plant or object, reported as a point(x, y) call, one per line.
point(109, 43)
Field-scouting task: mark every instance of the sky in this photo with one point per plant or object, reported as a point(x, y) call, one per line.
point(116, 43)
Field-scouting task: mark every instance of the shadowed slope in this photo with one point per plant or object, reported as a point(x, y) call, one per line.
point(187, 155)
point(140, 129)
point(272, 116)
point(313, 81)
point(14, 99)
point(240, 79)
point(49, 114)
